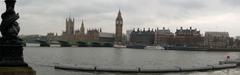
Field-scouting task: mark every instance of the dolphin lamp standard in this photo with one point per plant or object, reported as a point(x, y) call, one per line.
point(11, 46)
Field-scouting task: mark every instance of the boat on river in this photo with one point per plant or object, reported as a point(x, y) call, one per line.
point(154, 47)
point(136, 46)
point(119, 46)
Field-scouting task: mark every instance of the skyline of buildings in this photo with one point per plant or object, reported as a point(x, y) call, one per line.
point(71, 25)
point(124, 29)
point(187, 37)
point(155, 36)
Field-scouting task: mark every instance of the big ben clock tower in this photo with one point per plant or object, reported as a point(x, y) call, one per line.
point(119, 28)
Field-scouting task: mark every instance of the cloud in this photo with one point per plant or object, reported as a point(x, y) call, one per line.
point(43, 16)
point(234, 3)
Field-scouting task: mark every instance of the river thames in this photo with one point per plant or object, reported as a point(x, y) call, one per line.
point(42, 59)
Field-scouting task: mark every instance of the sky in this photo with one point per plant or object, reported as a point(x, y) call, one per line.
point(43, 16)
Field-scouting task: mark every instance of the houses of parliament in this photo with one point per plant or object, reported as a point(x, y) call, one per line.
point(93, 34)
point(79, 35)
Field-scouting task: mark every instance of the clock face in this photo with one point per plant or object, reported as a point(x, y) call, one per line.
point(117, 22)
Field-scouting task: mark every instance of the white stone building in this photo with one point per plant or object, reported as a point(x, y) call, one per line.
point(216, 39)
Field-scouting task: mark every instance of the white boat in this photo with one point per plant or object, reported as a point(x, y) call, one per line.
point(154, 47)
point(119, 46)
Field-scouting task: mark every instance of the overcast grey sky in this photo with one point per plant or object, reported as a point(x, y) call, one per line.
point(42, 16)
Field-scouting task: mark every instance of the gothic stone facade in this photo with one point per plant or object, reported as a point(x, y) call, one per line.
point(79, 35)
point(69, 27)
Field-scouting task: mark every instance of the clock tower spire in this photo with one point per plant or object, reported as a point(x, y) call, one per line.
point(82, 29)
point(119, 28)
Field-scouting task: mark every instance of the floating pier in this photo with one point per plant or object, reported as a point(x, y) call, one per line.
point(160, 69)
point(237, 62)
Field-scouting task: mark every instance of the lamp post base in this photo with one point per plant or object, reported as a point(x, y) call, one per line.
point(17, 71)
point(11, 56)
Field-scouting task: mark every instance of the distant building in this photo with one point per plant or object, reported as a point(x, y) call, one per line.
point(81, 31)
point(216, 40)
point(119, 29)
point(231, 42)
point(33, 38)
point(30, 38)
point(236, 43)
point(144, 37)
point(128, 35)
point(52, 37)
point(69, 27)
point(163, 37)
point(68, 35)
point(188, 32)
point(92, 35)
point(79, 35)
point(106, 37)
point(238, 38)
point(188, 37)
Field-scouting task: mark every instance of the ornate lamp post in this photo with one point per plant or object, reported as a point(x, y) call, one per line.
point(11, 48)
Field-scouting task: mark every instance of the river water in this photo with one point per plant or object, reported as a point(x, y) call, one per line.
point(42, 59)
